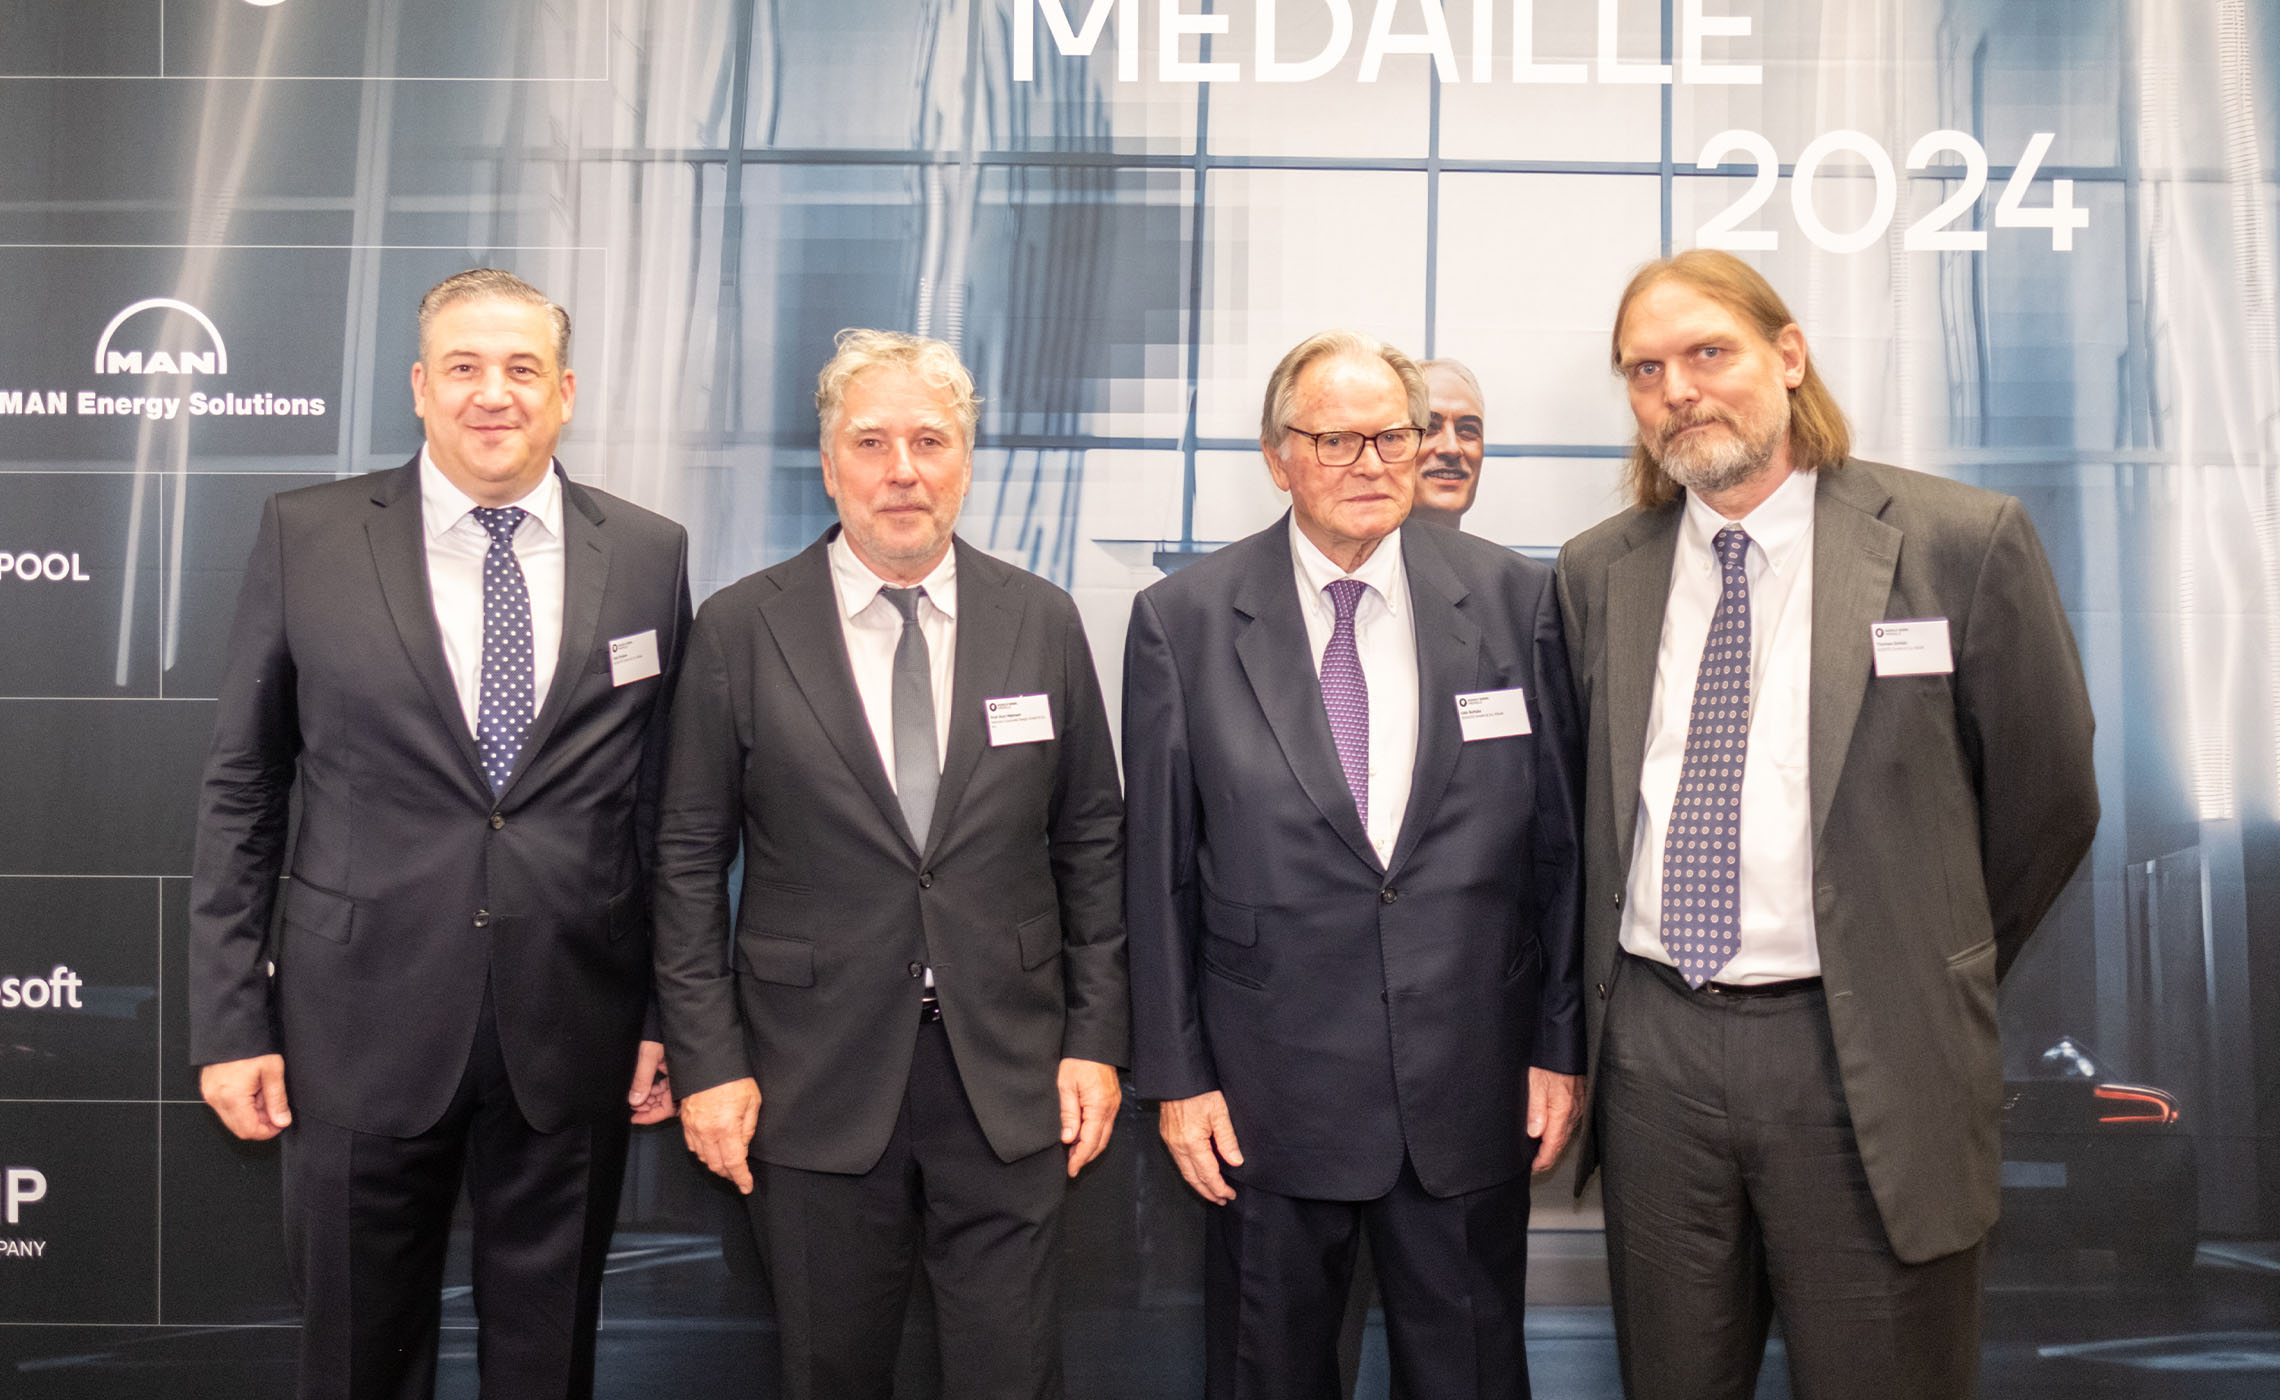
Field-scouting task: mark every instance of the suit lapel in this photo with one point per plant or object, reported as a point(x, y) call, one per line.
point(585, 578)
point(399, 552)
point(1448, 664)
point(1279, 664)
point(1638, 594)
point(804, 620)
point(1854, 554)
point(989, 624)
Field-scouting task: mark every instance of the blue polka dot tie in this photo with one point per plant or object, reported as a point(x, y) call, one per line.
point(1702, 851)
point(1346, 694)
point(503, 706)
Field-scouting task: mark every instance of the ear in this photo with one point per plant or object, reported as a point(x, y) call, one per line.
point(419, 389)
point(1275, 467)
point(1791, 345)
point(830, 477)
point(569, 393)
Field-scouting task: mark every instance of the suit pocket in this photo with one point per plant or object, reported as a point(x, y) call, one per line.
point(1231, 949)
point(321, 912)
point(1232, 922)
point(1040, 939)
point(1984, 949)
point(628, 911)
point(787, 962)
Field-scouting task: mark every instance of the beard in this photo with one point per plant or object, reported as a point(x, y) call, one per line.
point(1711, 463)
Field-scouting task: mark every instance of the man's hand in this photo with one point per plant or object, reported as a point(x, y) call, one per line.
point(652, 1093)
point(718, 1123)
point(249, 1095)
point(1555, 1106)
point(1201, 1135)
point(1090, 1095)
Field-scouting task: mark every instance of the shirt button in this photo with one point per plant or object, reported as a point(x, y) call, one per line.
point(926, 880)
point(497, 821)
point(917, 969)
point(1388, 895)
point(482, 918)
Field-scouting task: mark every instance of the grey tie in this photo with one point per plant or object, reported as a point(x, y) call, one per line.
point(916, 773)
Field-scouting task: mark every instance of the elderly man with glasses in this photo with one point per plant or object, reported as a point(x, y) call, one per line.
point(1351, 897)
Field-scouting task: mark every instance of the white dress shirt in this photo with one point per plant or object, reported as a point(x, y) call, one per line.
point(1777, 933)
point(1385, 639)
point(873, 628)
point(456, 544)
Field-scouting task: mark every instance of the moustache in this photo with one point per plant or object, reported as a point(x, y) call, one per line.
point(1674, 425)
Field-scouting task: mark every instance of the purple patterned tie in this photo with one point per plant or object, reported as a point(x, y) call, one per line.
point(503, 706)
point(1346, 694)
point(1702, 875)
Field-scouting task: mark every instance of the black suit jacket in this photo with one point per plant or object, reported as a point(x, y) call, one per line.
point(413, 885)
point(1013, 902)
point(1948, 811)
point(1351, 1011)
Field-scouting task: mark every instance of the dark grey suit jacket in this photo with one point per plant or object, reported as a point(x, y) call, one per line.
point(413, 885)
point(1013, 902)
point(1948, 810)
point(1352, 1012)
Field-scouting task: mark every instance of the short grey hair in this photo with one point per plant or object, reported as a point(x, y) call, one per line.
point(933, 361)
point(493, 284)
point(1282, 385)
point(1461, 371)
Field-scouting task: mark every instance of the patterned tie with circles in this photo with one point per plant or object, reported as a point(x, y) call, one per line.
point(1702, 870)
point(503, 707)
point(1346, 694)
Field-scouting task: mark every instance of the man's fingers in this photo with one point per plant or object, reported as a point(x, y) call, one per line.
point(648, 1063)
point(271, 1071)
point(1223, 1134)
point(1072, 1115)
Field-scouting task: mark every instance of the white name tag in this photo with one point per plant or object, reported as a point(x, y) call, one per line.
point(1492, 714)
point(1911, 646)
point(633, 658)
point(1019, 719)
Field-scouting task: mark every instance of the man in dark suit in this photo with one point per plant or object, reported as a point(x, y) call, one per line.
point(907, 1044)
point(1839, 768)
point(457, 670)
point(1351, 768)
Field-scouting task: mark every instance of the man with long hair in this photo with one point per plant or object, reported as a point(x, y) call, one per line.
point(1839, 754)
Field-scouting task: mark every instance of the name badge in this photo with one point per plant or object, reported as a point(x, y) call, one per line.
point(633, 658)
point(1911, 646)
point(1492, 714)
point(1019, 719)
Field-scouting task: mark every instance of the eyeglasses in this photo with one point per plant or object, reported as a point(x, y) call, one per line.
point(1343, 448)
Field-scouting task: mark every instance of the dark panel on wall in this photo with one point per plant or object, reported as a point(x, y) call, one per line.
point(79, 982)
point(100, 789)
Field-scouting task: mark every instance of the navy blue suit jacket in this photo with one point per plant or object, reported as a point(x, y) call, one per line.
point(1351, 1011)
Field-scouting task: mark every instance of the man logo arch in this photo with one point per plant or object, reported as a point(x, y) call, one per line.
point(109, 361)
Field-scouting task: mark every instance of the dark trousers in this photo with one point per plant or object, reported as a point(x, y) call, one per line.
point(1451, 1271)
point(842, 1250)
point(1735, 1192)
point(367, 1219)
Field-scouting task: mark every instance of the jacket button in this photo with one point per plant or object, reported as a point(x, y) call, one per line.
point(497, 821)
point(1388, 895)
point(1603, 991)
point(482, 918)
point(917, 969)
point(926, 880)
point(1618, 899)
point(1385, 996)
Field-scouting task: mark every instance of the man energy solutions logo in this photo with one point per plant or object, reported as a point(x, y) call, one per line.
point(21, 1187)
point(130, 346)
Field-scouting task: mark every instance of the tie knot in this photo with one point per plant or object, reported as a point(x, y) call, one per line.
point(1732, 543)
point(904, 601)
point(501, 521)
point(1345, 596)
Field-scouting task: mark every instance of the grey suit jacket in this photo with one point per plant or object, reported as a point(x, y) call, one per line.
point(1013, 899)
point(1948, 811)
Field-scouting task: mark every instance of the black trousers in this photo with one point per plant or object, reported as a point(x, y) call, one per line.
point(367, 1219)
point(842, 1251)
point(1734, 1192)
point(1451, 1271)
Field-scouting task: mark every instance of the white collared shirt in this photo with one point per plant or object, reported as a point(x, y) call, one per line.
point(1777, 932)
point(1385, 640)
point(456, 544)
point(873, 628)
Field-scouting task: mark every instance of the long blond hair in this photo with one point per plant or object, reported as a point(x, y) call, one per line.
point(1819, 437)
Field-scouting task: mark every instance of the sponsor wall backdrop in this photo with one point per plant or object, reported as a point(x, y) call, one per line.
point(2031, 241)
